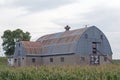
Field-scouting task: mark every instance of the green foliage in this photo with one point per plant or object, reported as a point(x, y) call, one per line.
point(3, 60)
point(11, 37)
point(116, 61)
point(104, 72)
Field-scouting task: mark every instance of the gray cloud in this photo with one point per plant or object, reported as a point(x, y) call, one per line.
point(37, 5)
point(104, 17)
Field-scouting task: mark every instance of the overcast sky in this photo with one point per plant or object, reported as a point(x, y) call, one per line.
point(40, 17)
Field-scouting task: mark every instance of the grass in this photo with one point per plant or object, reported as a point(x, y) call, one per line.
point(116, 61)
point(104, 72)
point(3, 61)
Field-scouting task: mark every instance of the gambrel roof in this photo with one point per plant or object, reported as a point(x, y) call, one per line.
point(68, 42)
point(63, 42)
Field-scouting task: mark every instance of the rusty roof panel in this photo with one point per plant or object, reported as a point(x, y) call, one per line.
point(60, 40)
point(63, 34)
point(31, 47)
point(63, 42)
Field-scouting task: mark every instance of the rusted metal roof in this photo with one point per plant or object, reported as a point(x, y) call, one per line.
point(63, 42)
point(31, 47)
point(65, 34)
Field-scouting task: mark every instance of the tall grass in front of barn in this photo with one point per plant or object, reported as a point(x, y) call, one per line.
point(3, 63)
point(105, 72)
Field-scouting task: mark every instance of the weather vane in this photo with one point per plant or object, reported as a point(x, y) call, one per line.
point(67, 28)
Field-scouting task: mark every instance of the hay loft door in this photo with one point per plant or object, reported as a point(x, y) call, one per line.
point(94, 56)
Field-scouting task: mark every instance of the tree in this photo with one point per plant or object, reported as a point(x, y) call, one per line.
point(11, 37)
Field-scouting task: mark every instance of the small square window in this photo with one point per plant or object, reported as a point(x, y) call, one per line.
point(33, 60)
point(105, 58)
point(19, 44)
point(15, 60)
point(82, 58)
point(62, 59)
point(101, 36)
point(51, 59)
point(9, 59)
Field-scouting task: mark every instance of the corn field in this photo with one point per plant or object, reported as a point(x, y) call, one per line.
point(106, 72)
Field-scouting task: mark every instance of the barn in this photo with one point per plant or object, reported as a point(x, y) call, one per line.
point(85, 46)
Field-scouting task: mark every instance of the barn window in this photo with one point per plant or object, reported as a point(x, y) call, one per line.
point(51, 59)
point(105, 58)
point(86, 36)
point(15, 60)
point(19, 44)
point(33, 60)
point(82, 58)
point(62, 59)
point(101, 36)
point(94, 47)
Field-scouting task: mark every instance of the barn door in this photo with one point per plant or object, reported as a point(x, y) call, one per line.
point(94, 56)
point(94, 59)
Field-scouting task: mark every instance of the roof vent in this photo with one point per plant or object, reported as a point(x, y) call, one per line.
point(67, 28)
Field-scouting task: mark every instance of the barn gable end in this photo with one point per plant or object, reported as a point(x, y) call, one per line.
point(93, 34)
